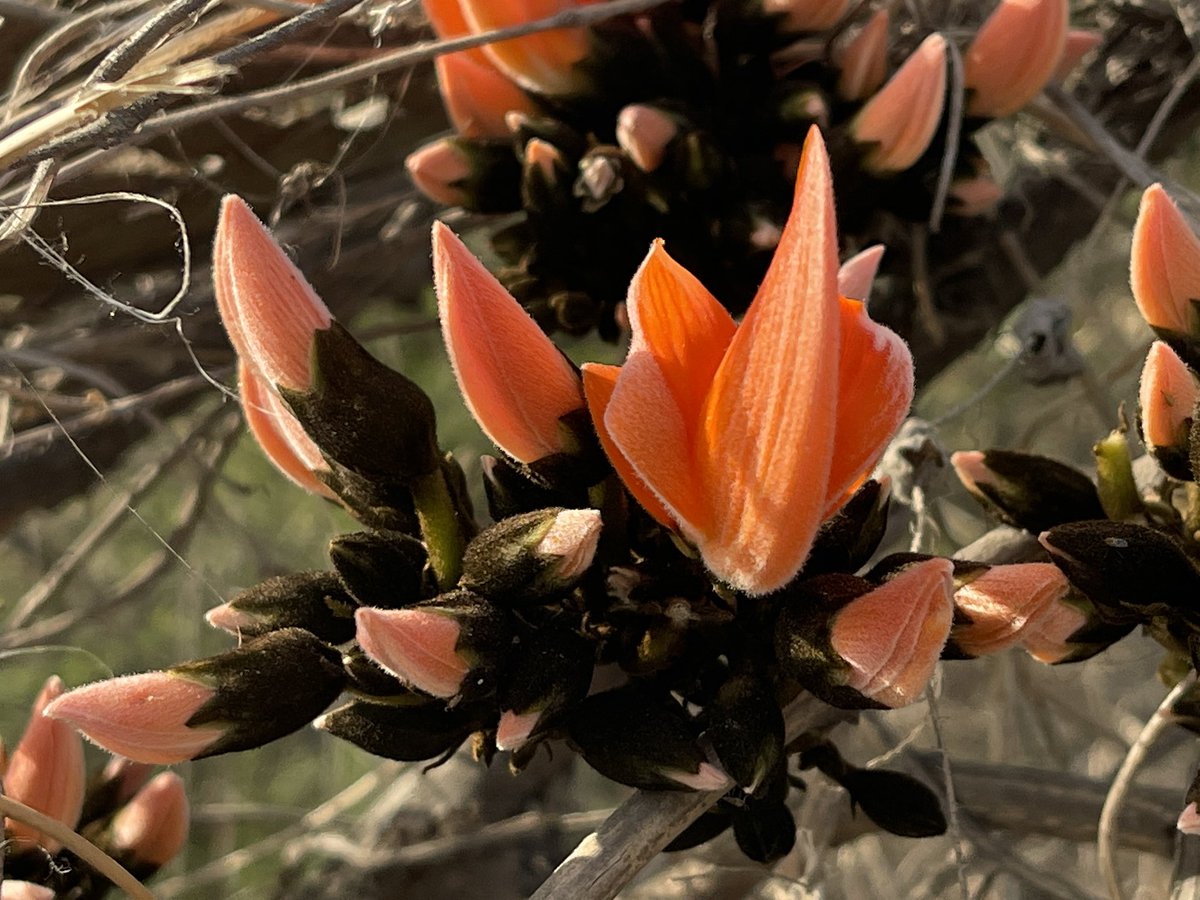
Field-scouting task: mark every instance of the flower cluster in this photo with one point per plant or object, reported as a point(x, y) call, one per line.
point(141, 822)
point(685, 123)
point(679, 547)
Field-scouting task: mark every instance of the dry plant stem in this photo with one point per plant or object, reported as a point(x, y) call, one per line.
point(122, 58)
point(609, 858)
point(80, 846)
point(1106, 838)
point(406, 56)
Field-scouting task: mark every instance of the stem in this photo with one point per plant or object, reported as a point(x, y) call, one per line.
point(438, 517)
point(77, 844)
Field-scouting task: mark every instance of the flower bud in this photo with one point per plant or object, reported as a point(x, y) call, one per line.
point(263, 690)
point(806, 15)
point(477, 96)
point(314, 601)
point(850, 537)
point(1115, 484)
point(550, 672)
point(545, 180)
point(46, 770)
point(902, 118)
point(745, 727)
point(153, 827)
point(451, 646)
point(1129, 571)
point(380, 568)
point(407, 731)
point(25, 890)
point(527, 559)
point(1164, 267)
point(1014, 54)
point(366, 416)
point(864, 61)
point(974, 196)
point(644, 740)
point(644, 132)
point(510, 490)
point(479, 176)
point(1168, 400)
point(856, 645)
point(1027, 491)
point(765, 830)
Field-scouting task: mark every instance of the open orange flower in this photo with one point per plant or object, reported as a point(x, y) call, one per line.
point(745, 438)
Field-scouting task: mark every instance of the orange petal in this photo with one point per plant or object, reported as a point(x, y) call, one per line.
point(270, 311)
point(153, 826)
point(1167, 398)
point(858, 272)
point(864, 61)
point(415, 645)
point(904, 116)
point(446, 17)
point(438, 170)
point(278, 433)
point(544, 62)
point(806, 15)
point(1014, 54)
point(1164, 264)
point(766, 441)
point(875, 391)
point(515, 381)
point(1004, 602)
point(644, 132)
point(599, 382)
point(477, 95)
point(893, 636)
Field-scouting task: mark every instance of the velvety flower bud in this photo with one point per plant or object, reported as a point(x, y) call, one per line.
point(314, 601)
point(479, 176)
point(526, 559)
point(765, 830)
point(278, 433)
point(408, 732)
point(380, 568)
point(1004, 605)
point(846, 541)
point(510, 490)
point(745, 727)
point(25, 890)
point(1014, 54)
point(550, 671)
point(1115, 484)
point(1168, 400)
point(644, 132)
point(112, 788)
point(46, 770)
point(1025, 490)
point(153, 827)
point(1189, 819)
point(366, 416)
point(864, 61)
point(856, 645)
point(1164, 267)
point(1127, 570)
point(451, 646)
point(902, 118)
point(644, 740)
point(806, 15)
point(266, 688)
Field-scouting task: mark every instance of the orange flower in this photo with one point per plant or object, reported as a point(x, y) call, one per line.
point(544, 62)
point(738, 436)
point(904, 116)
point(1164, 265)
point(1168, 398)
point(1014, 54)
point(515, 381)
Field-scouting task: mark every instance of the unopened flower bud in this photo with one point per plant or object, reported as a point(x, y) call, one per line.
point(856, 645)
point(448, 647)
point(1168, 400)
point(25, 890)
point(550, 672)
point(481, 177)
point(1014, 54)
point(745, 727)
point(1115, 484)
point(846, 541)
point(380, 568)
point(46, 771)
point(152, 828)
point(765, 830)
point(642, 739)
point(266, 688)
point(1025, 490)
point(644, 132)
point(806, 15)
point(1164, 268)
point(864, 61)
point(529, 558)
point(407, 731)
point(314, 601)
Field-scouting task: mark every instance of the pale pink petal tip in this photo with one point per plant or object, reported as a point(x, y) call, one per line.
point(142, 717)
point(415, 645)
point(24, 890)
point(229, 619)
point(706, 778)
point(858, 272)
point(514, 729)
point(1189, 820)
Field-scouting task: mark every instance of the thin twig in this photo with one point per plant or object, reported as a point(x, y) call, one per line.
point(1106, 838)
point(122, 58)
point(80, 846)
point(953, 135)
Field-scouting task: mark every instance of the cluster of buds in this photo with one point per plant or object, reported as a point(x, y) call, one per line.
point(701, 146)
point(676, 543)
point(141, 822)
